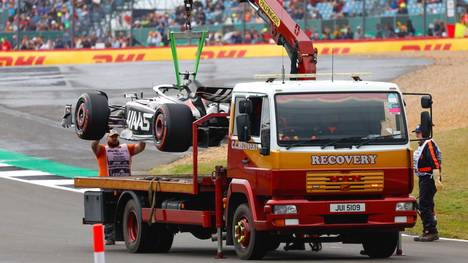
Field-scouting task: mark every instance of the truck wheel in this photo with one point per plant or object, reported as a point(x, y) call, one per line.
point(248, 242)
point(200, 234)
point(380, 245)
point(273, 244)
point(162, 238)
point(173, 127)
point(139, 236)
point(91, 116)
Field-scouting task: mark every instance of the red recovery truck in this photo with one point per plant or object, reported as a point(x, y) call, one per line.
point(307, 161)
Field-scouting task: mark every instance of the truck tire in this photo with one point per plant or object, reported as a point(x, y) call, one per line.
point(380, 245)
point(273, 244)
point(201, 234)
point(172, 129)
point(139, 237)
point(248, 242)
point(91, 116)
point(162, 238)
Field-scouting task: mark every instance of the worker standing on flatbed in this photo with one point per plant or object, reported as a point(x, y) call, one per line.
point(114, 159)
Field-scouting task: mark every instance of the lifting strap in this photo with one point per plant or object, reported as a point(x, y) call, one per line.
point(188, 36)
point(152, 198)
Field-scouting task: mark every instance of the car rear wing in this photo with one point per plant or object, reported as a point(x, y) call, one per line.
point(215, 94)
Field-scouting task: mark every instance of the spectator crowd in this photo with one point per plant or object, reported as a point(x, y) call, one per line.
point(88, 24)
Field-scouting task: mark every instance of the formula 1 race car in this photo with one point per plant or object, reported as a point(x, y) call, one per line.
point(165, 118)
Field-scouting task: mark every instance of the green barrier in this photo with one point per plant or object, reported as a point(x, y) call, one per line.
point(140, 36)
point(45, 35)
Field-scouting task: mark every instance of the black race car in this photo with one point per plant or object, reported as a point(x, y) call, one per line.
point(165, 118)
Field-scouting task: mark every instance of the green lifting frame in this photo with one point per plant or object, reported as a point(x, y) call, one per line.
point(173, 37)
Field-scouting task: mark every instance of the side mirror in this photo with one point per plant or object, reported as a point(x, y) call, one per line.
point(243, 127)
point(265, 141)
point(426, 124)
point(245, 106)
point(426, 102)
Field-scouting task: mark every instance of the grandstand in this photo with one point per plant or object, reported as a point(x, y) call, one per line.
point(47, 24)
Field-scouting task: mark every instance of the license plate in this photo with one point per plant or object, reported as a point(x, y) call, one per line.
point(351, 207)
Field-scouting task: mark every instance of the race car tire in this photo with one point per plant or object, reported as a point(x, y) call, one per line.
point(91, 116)
point(172, 129)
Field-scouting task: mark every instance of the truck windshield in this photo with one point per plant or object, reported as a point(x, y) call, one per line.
point(329, 119)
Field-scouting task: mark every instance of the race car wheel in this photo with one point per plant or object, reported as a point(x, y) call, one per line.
point(91, 116)
point(172, 129)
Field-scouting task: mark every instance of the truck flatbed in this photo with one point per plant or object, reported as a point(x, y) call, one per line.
point(168, 184)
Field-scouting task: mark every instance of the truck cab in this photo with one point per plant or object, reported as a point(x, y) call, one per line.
point(319, 158)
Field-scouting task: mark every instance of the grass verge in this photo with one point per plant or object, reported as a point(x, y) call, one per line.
point(451, 208)
point(208, 159)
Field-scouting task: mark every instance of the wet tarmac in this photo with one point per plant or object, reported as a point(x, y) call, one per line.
point(32, 98)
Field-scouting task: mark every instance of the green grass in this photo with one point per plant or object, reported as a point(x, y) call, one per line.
point(186, 168)
point(451, 202)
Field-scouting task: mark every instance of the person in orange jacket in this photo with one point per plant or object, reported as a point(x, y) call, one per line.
point(114, 159)
point(427, 166)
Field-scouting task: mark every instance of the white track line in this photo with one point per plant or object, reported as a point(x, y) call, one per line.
point(82, 190)
point(16, 175)
point(52, 182)
point(22, 173)
point(441, 238)
point(39, 183)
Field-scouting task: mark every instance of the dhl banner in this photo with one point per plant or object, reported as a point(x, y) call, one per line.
point(93, 56)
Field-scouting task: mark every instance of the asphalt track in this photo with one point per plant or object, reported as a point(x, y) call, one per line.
point(39, 224)
point(44, 225)
point(32, 99)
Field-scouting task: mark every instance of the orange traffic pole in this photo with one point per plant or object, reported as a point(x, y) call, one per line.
point(98, 236)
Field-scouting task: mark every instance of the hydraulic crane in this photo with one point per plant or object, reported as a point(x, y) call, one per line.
point(284, 30)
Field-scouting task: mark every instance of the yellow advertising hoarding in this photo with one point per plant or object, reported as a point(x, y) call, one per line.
point(29, 58)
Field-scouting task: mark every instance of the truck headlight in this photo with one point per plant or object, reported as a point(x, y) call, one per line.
point(404, 206)
point(284, 209)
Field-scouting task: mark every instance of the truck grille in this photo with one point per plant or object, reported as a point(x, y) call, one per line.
point(349, 182)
